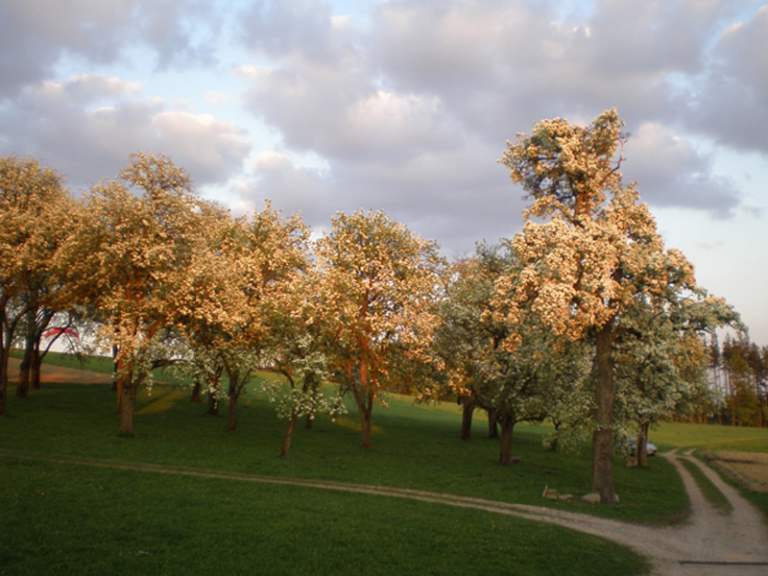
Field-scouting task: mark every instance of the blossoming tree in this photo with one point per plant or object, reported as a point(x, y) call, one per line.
point(134, 254)
point(377, 285)
point(596, 251)
point(37, 216)
point(506, 367)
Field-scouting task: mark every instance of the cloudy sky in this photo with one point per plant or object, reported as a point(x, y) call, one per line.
point(406, 106)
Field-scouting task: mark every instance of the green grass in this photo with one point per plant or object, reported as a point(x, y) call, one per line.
point(102, 364)
point(708, 489)
point(69, 519)
point(675, 434)
point(89, 520)
point(416, 447)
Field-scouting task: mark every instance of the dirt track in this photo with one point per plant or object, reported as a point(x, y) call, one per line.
point(60, 374)
point(709, 543)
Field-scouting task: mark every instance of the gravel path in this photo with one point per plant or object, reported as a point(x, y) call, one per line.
point(709, 543)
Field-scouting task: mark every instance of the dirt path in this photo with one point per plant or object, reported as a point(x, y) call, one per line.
point(59, 374)
point(708, 544)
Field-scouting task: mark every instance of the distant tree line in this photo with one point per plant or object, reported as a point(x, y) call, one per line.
point(737, 394)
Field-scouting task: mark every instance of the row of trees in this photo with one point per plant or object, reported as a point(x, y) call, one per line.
point(583, 318)
point(740, 384)
point(170, 277)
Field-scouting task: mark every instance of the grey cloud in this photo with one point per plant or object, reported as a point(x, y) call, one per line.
point(672, 173)
point(53, 123)
point(456, 198)
point(509, 64)
point(305, 101)
point(277, 28)
point(34, 38)
point(290, 188)
point(730, 103)
point(411, 117)
point(628, 38)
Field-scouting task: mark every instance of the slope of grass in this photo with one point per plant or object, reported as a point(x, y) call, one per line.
point(99, 520)
point(682, 435)
point(102, 364)
point(69, 519)
point(417, 447)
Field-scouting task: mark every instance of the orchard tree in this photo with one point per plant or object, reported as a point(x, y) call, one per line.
point(377, 287)
point(268, 254)
point(42, 328)
point(243, 287)
point(597, 250)
point(657, 370)
point(513, 370)
point(209, 305)
point(300, 353)
point(514, 364)
point(37, 215)
point(662, 359)
point(463, 338)
point(132, 262)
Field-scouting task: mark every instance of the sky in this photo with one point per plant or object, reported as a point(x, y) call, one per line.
point(406, 106)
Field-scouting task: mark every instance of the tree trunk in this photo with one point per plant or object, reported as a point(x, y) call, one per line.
point(365, 426)
point(505, 449)
point(466, 418)
point(121, 384)
point(232, 418)
point(3, 378)
point(37, 361)
point(493, 424)
point(602, 439)
point(641, 450)
point(196, 391)
point(555, 437)
point(116, 366)
point(364, 399)
point(213, 405)
point(22, 388)
point(213, 397)
point(128, 407)
point(234, 396)
point(308, 422)
point(285, 449)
